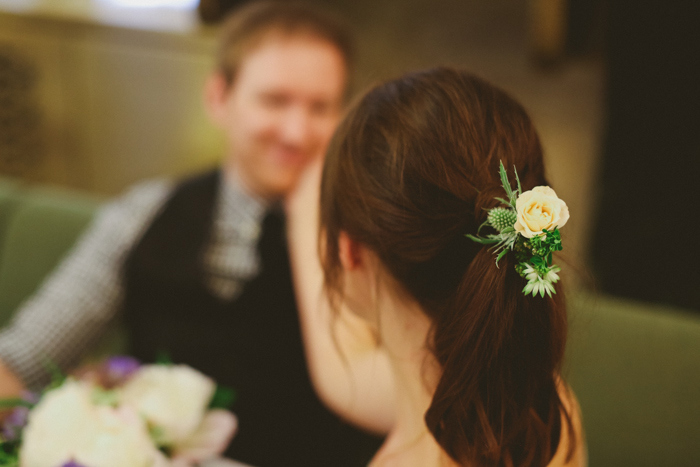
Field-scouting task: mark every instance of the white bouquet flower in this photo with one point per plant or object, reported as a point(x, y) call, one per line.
point(67, 425)
point(172, 398)
point(120, 414)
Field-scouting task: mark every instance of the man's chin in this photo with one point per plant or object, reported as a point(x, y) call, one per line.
point(278, 187)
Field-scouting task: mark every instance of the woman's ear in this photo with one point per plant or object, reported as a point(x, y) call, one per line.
point(350, 252)
point(215, 92)
point(359, 278)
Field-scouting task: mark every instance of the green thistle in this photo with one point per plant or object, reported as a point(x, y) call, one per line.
point(501, 218)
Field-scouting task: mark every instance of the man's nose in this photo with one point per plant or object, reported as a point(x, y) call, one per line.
point(296, 127)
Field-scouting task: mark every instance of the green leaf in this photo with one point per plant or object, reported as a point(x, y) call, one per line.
point(9, 452)
point(156, 433)
point(57, 375)
point(504, 201)
point(505, 183)
point(8, 459)
point(486, 222)
point(223, 398)
point(163, 358)
point(501, 255)
point(105, 397)
point(14, 402)
point(483, 241)
point(520, 190)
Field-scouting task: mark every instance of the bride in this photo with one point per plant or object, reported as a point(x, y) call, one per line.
point(464, 368)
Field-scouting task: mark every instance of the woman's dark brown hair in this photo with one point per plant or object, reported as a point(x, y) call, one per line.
point(412, 169)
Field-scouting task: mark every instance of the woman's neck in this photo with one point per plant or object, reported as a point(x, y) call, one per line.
point(404, 329)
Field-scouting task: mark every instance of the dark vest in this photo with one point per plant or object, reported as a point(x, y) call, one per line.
point(252, 344)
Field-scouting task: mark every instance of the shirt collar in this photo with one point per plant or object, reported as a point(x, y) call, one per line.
point(240, 211)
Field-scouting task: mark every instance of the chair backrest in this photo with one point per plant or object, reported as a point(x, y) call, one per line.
point(635, 369)
point(42, 226)
point(10, 195)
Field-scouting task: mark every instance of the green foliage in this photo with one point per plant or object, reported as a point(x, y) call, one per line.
point(533, 255)
point(157, 433)
point(57, 375)
point(102, 396)
point(502, 219)
point(14, 402)
point(163, 358)
point(9, 453)
point(510, 193)
point(484, 241)
point(223, 398)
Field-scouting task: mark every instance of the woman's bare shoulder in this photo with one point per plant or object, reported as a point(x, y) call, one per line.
point(579, 456)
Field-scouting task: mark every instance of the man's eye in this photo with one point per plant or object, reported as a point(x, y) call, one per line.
point(320, 108)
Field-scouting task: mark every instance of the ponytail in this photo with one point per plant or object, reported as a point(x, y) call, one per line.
point(496, 403)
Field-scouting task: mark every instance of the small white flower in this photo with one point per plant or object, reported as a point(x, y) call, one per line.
point(530, 273)
point(540, 285)
point(172, 398)
point(552, 276)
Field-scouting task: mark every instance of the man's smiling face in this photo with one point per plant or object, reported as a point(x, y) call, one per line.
point(280, 111)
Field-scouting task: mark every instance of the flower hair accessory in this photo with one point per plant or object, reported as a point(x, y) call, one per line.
point(528, 224)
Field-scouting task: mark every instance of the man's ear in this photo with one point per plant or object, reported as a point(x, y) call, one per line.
point(350, 252)
point(215, 91)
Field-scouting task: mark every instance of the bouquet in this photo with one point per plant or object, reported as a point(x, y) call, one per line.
point(117, 414)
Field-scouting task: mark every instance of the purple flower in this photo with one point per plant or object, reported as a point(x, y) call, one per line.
point(119, 368)
point(12, 427)
point(72, 463)
point(31, 397)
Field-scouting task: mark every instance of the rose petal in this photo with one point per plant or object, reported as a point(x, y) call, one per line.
point(210, 439)
point(545, 190)
point(174, 398)
point(159, 460)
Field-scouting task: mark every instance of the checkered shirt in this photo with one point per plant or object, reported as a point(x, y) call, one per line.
point(79, 301)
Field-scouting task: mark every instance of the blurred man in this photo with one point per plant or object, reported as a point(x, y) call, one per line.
point(200, 270)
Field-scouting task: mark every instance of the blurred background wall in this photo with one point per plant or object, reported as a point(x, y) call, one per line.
point(96, 96)
point(115, 92)
point(645, 238)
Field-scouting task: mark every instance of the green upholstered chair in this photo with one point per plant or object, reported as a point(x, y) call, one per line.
point(9, 198)
point(636, 371)
point(43, 226)
point(38, 226)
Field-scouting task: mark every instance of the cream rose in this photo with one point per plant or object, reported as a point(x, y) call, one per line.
point(172, 398)
point(539, 209)
point(66, 426)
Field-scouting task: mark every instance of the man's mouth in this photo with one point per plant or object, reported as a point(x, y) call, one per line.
point(288, 156)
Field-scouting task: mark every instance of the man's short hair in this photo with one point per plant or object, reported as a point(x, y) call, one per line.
point(246, 27)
